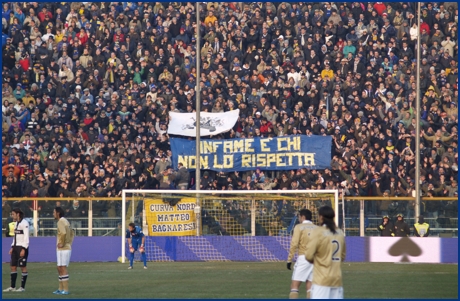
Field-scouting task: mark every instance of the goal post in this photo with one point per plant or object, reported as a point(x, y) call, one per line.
point(237, 213)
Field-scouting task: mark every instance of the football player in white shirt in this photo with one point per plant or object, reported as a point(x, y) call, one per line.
point(19, 250)
point(303, 270)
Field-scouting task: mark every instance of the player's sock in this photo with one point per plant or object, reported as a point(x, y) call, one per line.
point(131, 259)
point(24, 279)
point(14, 276)
point(65, 283)
point(294, 294)
point(309, 294)
point(144, 258)
point(60, 283)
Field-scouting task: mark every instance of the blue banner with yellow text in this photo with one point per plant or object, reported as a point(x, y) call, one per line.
point(279, 153)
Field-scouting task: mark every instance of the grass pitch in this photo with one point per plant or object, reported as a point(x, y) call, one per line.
point(232, 280)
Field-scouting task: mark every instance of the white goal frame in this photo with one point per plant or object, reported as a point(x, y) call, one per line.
point(198, 192)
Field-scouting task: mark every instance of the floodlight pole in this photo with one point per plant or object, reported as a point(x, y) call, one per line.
point(417, 125)
point(343, 213)
point(198, 109)
point(123, 226)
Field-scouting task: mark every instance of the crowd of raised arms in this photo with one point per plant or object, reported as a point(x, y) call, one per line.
point(87, 90)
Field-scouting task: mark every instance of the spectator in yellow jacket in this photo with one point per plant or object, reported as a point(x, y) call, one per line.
point(327, 72)
point(210, 19)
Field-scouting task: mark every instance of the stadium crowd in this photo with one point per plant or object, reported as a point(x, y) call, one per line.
point(87, 88)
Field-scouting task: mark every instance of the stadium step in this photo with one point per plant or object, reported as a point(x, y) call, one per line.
point(129, 213)
point(131, 204)
point(227, 222)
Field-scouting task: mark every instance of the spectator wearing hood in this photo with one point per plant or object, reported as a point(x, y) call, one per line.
point(205, 180)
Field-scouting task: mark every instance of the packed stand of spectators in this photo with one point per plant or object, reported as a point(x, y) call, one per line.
point(87, 88)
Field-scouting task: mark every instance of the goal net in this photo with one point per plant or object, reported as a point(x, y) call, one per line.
point(212, 225)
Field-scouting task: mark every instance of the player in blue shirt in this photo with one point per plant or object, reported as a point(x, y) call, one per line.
point(136, 240)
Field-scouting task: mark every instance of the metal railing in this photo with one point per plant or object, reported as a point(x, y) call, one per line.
point(362, 221)
point(102, 226)
point(365, 219)
point(36, 211)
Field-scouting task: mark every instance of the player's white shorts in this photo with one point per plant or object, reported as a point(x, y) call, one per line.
point(326, 292)
point(303, 270)
point(63, 258)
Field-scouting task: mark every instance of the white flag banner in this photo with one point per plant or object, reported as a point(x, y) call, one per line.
point(184, 124)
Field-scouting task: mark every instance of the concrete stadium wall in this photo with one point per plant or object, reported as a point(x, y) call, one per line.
point(244, 248)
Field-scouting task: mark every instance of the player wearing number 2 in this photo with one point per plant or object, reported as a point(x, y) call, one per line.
point(326, 250)
point(303, 270)
point(136, 240)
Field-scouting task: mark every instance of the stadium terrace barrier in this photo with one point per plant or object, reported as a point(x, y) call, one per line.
point(244, 248)
point(358, 220)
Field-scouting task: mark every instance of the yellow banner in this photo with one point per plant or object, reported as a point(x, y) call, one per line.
point(166, 220)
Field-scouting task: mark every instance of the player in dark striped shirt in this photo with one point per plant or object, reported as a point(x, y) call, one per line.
point(19, 250)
